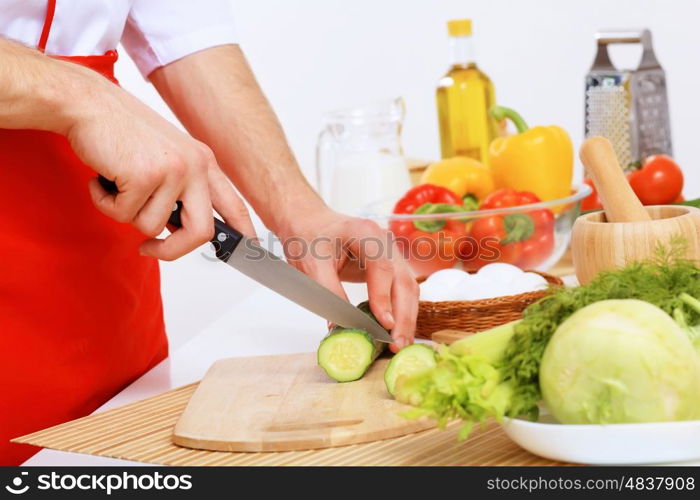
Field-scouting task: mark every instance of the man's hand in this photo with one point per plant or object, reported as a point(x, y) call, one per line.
point(331, 247)
point(153, 163)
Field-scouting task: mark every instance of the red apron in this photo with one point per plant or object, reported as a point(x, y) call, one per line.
point(80, 310)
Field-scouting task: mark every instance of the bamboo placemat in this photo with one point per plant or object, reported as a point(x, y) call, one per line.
point(141, 432)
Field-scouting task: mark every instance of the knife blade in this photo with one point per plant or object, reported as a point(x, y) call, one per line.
point(249, 258)
point(274, 273)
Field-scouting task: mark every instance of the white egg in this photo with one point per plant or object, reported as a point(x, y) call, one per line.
point(493, 280)
point(500, 272)
point(468, 293)
point(528, 282)
point(516, 288)
point(532, 282)
point(448, 278)
point(498, 290)
point(473, 288)
point(434, 292)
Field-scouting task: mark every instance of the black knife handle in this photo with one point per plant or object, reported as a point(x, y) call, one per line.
point(225, 239)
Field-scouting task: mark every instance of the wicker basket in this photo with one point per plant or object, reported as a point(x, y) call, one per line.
point(476, 315)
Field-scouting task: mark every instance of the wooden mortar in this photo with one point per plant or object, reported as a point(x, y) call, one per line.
point(626, 231)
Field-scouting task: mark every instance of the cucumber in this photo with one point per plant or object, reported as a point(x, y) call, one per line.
point(347, 353)
point(410, 360)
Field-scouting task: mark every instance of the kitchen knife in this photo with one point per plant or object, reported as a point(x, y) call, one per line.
point(245, 255)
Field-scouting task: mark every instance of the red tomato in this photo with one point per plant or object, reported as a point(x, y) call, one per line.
point(489, 233)
point(537, 249)
point(431, 252)
point(658, 182)
point(524, 239)
point(401, 228)
point(592, 201)
point(428, 252)
point(543, 219)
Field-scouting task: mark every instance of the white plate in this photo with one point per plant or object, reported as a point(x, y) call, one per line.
point(619, 444)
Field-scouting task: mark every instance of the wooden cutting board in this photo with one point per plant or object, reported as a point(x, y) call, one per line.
point(283, 403)
point(449, 336)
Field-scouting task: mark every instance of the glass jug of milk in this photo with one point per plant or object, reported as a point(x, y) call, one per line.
point(359, 158)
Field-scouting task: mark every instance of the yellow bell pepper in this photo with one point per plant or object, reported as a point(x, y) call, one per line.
point(466, 177)
point(539, 159)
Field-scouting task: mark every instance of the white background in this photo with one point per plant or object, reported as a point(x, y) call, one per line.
point(314, 55)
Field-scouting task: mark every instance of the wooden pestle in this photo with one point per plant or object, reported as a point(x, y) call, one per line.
point(616, 195)
point(627, 232)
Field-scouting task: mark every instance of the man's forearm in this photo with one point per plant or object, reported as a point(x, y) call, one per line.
point(216, 97)
point(38, 92)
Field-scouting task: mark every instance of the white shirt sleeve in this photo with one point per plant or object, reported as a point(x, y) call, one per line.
point(158, 32)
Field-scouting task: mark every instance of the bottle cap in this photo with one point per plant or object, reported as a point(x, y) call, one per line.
point(459, 27)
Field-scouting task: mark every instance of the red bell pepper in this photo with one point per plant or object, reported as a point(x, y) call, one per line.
point(524, 239)
point(418, 196)
point(430, 244)
point(507, 197)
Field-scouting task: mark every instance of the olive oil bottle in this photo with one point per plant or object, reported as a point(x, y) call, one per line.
point(464, 97)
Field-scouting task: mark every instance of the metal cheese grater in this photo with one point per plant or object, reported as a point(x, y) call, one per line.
point(628, 107)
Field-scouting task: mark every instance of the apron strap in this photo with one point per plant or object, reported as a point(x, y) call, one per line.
point(50, 10)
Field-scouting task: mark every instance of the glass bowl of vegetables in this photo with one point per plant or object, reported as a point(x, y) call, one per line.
point(435, 229)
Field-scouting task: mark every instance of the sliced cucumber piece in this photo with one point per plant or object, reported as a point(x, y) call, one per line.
point(346, 353)
point(411, 359)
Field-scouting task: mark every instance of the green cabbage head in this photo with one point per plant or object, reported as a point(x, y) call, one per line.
point(618, 361)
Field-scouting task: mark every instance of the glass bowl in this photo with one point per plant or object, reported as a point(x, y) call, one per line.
point(532, 237)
